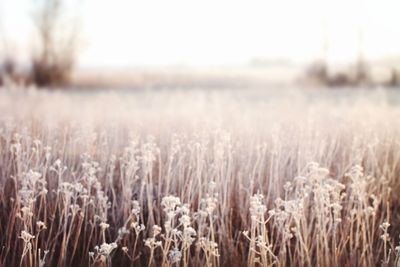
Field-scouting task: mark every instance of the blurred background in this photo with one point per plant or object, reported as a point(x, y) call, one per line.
point(199, 44)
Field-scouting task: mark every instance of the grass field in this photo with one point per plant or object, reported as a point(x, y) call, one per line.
point(200, 178)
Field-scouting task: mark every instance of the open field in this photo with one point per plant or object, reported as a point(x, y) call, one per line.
point(199, 178)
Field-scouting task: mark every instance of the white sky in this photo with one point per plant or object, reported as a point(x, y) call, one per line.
point(219, 32)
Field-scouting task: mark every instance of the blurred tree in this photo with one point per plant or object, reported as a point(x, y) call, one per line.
point(394, 78)
point(57, 41)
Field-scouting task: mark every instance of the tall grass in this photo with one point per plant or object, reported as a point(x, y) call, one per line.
point(195, 179)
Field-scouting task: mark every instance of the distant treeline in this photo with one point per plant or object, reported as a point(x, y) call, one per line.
point(359, 74)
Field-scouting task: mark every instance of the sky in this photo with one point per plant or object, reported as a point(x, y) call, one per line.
point(218, 32)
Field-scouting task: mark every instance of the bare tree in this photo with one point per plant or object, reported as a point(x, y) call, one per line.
point(57, 42)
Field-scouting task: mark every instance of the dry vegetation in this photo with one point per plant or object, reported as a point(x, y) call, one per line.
point(198, 179)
